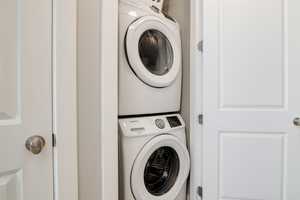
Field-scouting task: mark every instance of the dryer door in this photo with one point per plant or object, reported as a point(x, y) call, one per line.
point(160, 169)
point(154, 51)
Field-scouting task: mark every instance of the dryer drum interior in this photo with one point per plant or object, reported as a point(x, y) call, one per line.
point(161, 171)
point(156, 52)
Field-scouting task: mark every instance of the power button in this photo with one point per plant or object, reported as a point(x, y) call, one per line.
point(160, 123)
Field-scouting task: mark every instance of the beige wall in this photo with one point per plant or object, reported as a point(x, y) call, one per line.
point(180, 9)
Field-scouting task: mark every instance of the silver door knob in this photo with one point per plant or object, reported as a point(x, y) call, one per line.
point(297, 121)
point(35, 144)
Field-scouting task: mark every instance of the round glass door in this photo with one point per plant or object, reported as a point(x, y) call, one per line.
point(153, 50)
point(161, 171)
point(156, 52)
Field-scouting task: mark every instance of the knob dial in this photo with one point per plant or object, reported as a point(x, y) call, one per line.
point(297, 121)
point(160, 123)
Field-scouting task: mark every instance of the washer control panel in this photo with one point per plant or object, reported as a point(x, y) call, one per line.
point(150, 125)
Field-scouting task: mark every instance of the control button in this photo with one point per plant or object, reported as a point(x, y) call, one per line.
point(160, 123)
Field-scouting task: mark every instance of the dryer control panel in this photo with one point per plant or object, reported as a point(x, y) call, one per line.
point(150, 125)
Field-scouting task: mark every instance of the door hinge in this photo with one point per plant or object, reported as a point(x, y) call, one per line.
point(53, 140)
point(200, 191)
point(200, 46)
point(200, 119)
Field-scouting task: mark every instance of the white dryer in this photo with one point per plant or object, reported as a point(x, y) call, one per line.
point(150, 63)
point(154, 160)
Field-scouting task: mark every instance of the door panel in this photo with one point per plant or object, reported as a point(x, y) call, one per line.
point(9, 56)
point(251, 96)
point(251, 165)
point(26, 99)
point(251, 46)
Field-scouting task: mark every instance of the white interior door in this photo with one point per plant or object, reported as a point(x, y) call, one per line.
point(25, 99)
point(251, 97)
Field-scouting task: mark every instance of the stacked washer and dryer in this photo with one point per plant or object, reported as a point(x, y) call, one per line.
point(154, 160)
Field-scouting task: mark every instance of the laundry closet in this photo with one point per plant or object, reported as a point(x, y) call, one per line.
point(238, 116)
point(154, 161)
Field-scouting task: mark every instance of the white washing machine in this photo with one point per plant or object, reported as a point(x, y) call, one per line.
point(150, 61)
point(154, 160)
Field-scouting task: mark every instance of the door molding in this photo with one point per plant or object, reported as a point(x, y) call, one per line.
point(98, 99)
point(196, 87)
point(65, 99)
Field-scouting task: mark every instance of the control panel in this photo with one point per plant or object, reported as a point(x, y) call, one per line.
point(151, 125)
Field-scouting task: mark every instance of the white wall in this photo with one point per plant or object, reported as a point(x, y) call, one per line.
point(97, 96)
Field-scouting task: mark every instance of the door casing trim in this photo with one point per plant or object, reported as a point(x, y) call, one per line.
point(65, 99)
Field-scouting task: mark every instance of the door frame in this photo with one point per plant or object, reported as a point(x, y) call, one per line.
point(64, 75)
point(196, 101)
point(97, 59)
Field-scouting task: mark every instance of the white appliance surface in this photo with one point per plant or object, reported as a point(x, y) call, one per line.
point(157, 3)
point(150, 61)
point(154, 160)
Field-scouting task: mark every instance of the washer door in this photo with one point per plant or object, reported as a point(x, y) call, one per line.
point(161, 169)
point(153, 51)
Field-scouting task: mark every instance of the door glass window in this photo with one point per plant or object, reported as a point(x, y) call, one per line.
point(161, 171)
point(156, 52)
